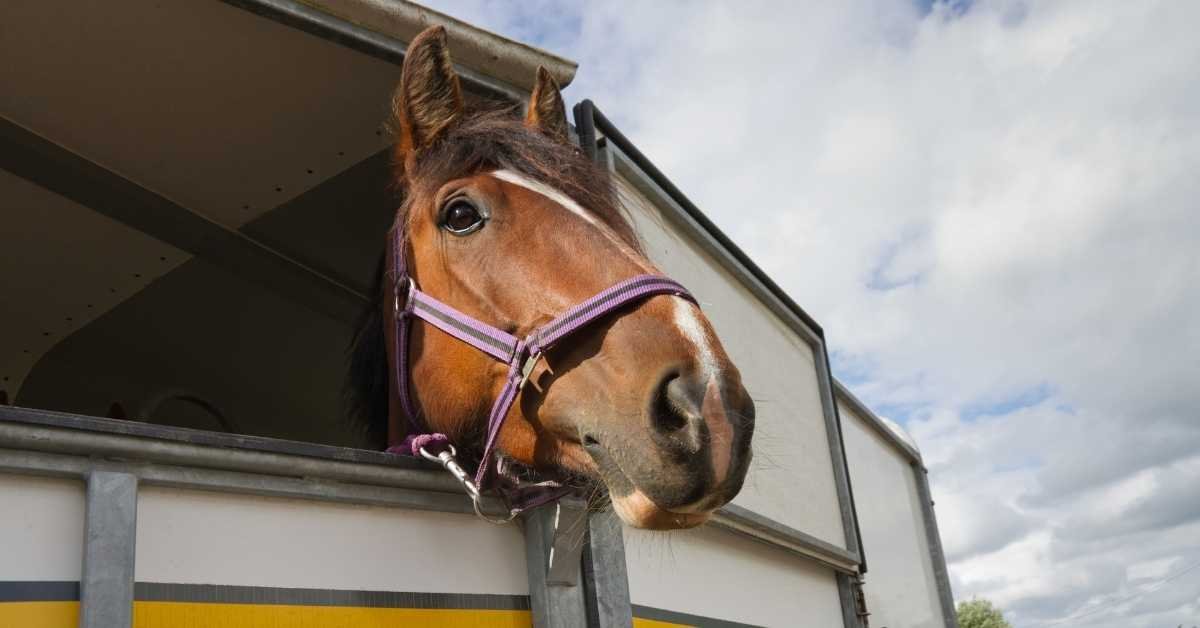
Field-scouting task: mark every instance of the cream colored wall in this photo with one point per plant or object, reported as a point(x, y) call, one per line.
point(900, 586)
point(791, 478)
point(41, 528)
point(196, 537)
point(717, 574)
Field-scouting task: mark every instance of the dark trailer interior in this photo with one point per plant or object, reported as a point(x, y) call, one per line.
point(195, 196)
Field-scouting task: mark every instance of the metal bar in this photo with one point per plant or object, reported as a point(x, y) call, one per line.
point(65, 173)
point(552, 606)
point(80, 422)
point(66, 441)
point(334, 29)
point(110, 534)
point(605, 572)
point(846, 599)
point(151, 474)
point(936, 555)
point(837, 452)
point(605, 577)
point(585, 127)
point(765, 530)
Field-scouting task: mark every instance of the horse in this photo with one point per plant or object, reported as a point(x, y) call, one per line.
point(502, 219)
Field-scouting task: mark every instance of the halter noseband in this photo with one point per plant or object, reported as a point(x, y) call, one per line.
point(521, 355)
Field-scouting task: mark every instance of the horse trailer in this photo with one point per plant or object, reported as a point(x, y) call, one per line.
point(195, 196)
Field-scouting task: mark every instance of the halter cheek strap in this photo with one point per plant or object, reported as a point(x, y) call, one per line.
point(520, 354)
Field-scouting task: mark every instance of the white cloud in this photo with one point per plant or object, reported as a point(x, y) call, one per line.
point(995, 214)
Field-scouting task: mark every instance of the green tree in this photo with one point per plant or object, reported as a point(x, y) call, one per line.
point(979, 613)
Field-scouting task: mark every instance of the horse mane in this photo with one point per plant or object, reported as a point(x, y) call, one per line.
point(488, 140)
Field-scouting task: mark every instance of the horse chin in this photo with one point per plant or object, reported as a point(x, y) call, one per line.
point(633, 506)
point(639, 511)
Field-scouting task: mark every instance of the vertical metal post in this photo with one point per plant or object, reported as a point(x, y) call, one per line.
point(555, 596)
point(110, 531)
point(850, 616)
point(605, 578)
point(934, 540)
point(606, 575)
point(837, 452)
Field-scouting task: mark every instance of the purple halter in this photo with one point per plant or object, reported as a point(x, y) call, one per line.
point(520, 354)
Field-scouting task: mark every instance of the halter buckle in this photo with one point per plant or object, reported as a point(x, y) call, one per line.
point(406, 285)
point(527, 368)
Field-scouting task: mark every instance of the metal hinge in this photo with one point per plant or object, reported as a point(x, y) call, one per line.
point(860, 602)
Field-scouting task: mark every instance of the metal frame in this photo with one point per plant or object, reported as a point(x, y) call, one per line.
point(619, 155)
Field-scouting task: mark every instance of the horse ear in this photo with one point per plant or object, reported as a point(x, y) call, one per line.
point(429, 99)
point(546, 110)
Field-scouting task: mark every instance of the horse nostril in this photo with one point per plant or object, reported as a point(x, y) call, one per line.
point(673, 407)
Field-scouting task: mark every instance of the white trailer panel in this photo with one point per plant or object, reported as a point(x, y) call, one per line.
point(901, 586)
point(41, 528)
point(714, 574)
point(791, 479)
point(199, 537)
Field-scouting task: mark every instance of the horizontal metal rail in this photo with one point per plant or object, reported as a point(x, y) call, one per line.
point(41, 463)
point(765, 530)
point(117, 447)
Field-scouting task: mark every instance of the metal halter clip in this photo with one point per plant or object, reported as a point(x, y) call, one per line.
point(446, 459)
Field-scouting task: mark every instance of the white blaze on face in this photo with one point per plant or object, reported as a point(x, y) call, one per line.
point(516, 178)
point(570, 205)
point(685, 314)
point(687, 319)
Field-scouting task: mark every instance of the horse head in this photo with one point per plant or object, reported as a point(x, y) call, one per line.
point(508, 223)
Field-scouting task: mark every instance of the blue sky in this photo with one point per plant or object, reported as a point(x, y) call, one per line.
point(991, 207)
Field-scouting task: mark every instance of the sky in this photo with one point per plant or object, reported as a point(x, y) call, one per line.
point(993, 209)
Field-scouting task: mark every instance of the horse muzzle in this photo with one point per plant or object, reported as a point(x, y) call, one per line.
point(690, 458)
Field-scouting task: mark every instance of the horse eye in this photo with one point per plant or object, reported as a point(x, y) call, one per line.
point(461, 217)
